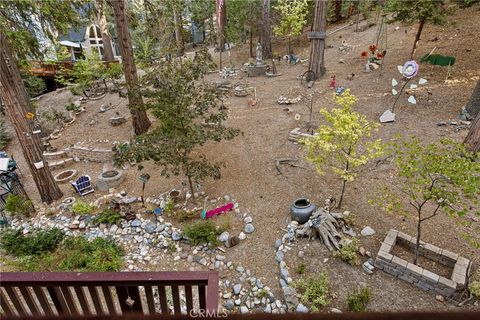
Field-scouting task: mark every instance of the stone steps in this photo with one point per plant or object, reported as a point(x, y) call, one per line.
point(54, 155)
point(59, 164)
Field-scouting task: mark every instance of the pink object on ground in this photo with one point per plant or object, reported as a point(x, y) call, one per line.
point(217, 211)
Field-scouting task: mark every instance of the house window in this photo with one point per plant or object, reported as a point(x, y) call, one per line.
point(95, 40)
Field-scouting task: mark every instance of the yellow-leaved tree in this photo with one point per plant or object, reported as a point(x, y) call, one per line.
point(342, 145)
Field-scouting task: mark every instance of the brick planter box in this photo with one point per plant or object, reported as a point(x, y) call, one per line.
point(420, 277)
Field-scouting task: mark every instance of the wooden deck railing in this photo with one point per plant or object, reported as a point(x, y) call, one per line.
point(53, 294)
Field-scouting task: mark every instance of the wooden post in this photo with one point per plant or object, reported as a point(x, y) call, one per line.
point(317, 39)
point(141, 123)
point(17, 104)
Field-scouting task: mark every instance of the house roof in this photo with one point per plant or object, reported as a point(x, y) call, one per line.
point(74, 35)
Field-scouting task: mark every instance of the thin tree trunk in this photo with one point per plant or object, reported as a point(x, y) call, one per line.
point(341, 194)
point(417, 38)
point(417, 243)
point(266, 39)
point(472, 140)
point(251, 42)
point(141, 123)
point(178, 31)
point(317, 46)
point(17, 104)
point(190, 183)
point(473, 105)
point(106, 39)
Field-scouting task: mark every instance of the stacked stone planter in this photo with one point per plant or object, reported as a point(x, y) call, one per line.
point(420, 277)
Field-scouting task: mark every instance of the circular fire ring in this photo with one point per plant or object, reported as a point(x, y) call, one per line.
point(109, 179)
point(68, 201)
point(65, 175)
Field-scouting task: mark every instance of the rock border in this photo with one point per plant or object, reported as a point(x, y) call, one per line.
point(420, 277)
point(62, 180)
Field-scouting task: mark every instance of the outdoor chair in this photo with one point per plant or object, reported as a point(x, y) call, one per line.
point(83, 185)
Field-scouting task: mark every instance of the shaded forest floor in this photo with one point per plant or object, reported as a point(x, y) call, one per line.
point(250, 176)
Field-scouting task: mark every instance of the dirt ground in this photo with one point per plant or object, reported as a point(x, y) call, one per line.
point(250, 176)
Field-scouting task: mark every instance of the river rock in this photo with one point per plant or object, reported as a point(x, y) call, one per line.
point(249, 228)
point(367, 231)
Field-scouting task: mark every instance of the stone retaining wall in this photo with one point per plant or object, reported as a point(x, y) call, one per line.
point(423, 278)
point(90, 154)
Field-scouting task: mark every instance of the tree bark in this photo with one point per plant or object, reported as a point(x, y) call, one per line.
point(417, 38)
point(221, 22)
point(266, 39)
point(177, 17)
point(472, 140)
point(106, 39)
point(141, 123)
point(317, 46)
point(473, 105)
point(417, 242)
point(17, 104)
point(338, 10)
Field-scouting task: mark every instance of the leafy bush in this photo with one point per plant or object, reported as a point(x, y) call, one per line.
point(203, 232)
point(18, 244)
point(169, 208)
point(348, 252)
point(358, 300)
point(315, 291)
point(79, 254)
point(82, 208)
point(34, 85)
point(18, 205)
point(108, 216)
point(4, 135)
point(74, 254)
point(474, 288)
point(301, 268)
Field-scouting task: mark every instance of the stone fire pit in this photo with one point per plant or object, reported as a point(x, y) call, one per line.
point(65, 175)
point(109, 179)
point(420, 277)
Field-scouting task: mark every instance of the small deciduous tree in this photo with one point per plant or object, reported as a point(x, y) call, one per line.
point(342, 144)
point(293, 18)
point(431, 178)
point(421, 11)
point(185, 109)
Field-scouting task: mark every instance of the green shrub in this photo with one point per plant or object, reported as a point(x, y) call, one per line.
point(108, 216)
point(301, 268)
point(79, 254)
point(314, 291)
point(169, 208)
point(18, 205)
point(358, 300)
point(4, 135)
point(348, 252)
point(181, 215)
point(34, 85)
point(72, 107)
point(40, 242)
point(203, 232)
point(474, 288)
point(82, 208)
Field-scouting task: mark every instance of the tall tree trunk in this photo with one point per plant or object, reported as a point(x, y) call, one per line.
point(417, 242)
point(141, 123)
point(472, 140)
point(106, 39)
point(177, 17)
point(417, 38)
point(473, 105)
point(266, 39)
point(221, 22)
point(251, 42)
point(17, 104)
point(338, 10)
point(317, 39)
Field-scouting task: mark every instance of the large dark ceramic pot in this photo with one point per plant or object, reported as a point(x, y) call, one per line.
point(301, 210)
